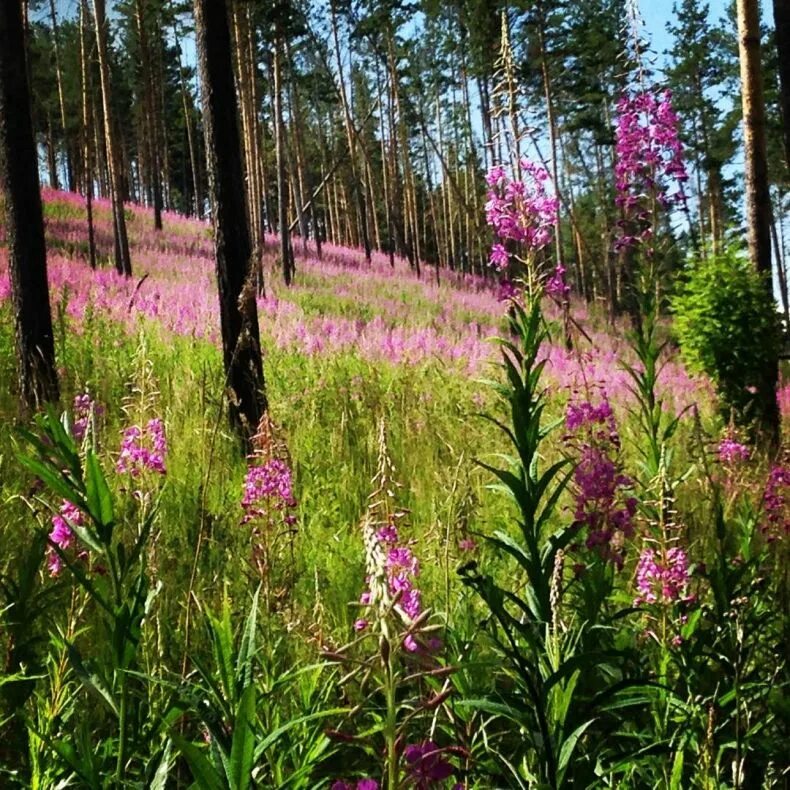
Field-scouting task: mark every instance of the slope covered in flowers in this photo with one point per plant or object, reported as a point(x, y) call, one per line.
point(339, 303)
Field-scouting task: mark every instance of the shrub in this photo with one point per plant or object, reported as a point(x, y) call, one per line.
point(727, 327)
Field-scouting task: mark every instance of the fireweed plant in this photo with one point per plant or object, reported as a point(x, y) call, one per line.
point(106, 556)
point(269, 508)
point(395, 658)
point(562, 678)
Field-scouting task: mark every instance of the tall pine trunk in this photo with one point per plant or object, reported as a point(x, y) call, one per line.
point(241, 348)
point(758, 198)
point(123, 261)
point(35, 347)
point(282, 181)
point(86, 133)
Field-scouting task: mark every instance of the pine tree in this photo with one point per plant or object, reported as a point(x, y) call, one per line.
point(235, 276)
point(758, 199)
point(35, 347)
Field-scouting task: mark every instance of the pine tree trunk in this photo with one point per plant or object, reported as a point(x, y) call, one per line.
point(357, 186)
point(61, 102)
point(782, 21)
point(150, 111)
point(241, 349)
point(123, 261)
point(27, 257)
point(86, 133)
point(758, 198)
point(186, 103)
point(282, 181)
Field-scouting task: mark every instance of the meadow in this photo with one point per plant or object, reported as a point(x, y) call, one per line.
point(462, 554)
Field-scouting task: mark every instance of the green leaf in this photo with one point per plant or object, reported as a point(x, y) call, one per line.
point(242, 748)
point(99, 498)
point(204, 773)
point(159, 781)
point(569, 744)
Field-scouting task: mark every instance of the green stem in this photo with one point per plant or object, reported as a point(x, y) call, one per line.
point(120, 768)
point(390, 729)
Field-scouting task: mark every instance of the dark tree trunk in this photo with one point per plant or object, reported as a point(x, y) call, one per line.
point(151, 113)
point(86, 133)
point(123, 260)
point(282, 181)
point(758, 197)
point(782, 21)
point(235, 278)
point(35, 345)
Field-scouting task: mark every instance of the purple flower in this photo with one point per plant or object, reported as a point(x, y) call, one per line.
point(62, 534)
point(732, 452)
point(84, 406)
point(520, 211)
point(776, 523)
point(268, 488)
point(556, 287)
point(499, 259)
point(143, 450)
point(649, 162)
point(426, 764)
point(662, 580)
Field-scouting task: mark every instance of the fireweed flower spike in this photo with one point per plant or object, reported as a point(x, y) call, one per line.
point(663, 581)
point(732, 452)
point(143, 450)
point(521, 212)
point(84, 407)
point(649, 163)
point(601, 501)
point(776, 523)
point(62, 534)
point(269, 487)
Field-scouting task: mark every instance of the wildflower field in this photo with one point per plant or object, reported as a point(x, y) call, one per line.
point(440, 566)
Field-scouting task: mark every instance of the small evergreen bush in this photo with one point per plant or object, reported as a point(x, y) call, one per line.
point(727, 327)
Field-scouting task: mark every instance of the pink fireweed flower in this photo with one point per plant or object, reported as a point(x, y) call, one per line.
point(143, 450)
point(776, 522)
point(83, 408)
point(732, 452)
point(499, 258)
point(393, 570)
point(62, 534)
point(426, 764)
point(649, 162)
point(520, 210)
point(268, 488)
point(602, 504)
point(662, 580)
point(556, 287)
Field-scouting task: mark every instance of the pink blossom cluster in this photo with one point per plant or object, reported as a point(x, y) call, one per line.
point(84, 407)
point(649, 162)
point(584, 414)
point(601, 504)
point(776, 523)
point(521, 211)
point(269, 487)
point(402, 569)
point(426, 764)
point(143, 449)
point(662, 580)
point(731, 451)
point(426, 767)
point(556, 287)
point(62, 534)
